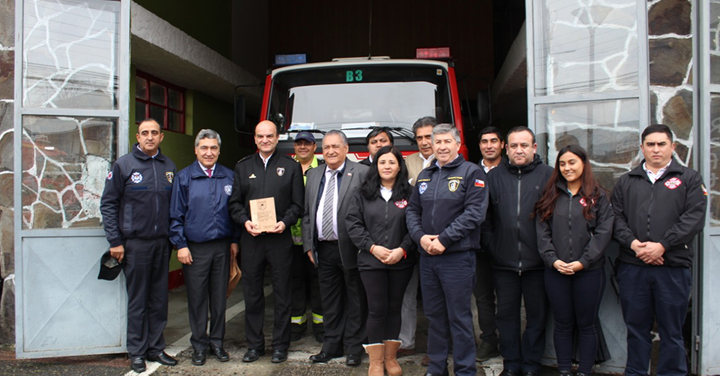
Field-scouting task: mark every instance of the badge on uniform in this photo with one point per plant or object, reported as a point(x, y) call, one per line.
point(136, 177)
point(479, 183)
point(453, 185)
point(169, 175)
point(701, 186)
point(110, 177)
point(281, 171)
point(583, 202)
point(401, 204)
point(422, 187)
point(252, 176)
point(228, 189)
point(673, 183)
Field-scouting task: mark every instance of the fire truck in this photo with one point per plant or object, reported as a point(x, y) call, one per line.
point(356, 95)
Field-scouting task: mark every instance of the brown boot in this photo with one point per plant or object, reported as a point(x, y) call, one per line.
point(391, 365)
point(375, 351)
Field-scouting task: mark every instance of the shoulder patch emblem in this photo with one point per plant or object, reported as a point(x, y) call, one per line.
point(281, 171)
point(136, 177)
point(228, 189)
point(422, 187)
point(169, 175)
point(110, 175)
point(673, 183)
point(453, 185)
point(401, 204)
point(701, 186)
point(479, 183)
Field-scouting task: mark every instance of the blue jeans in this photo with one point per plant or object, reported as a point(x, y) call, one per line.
point(661, 293)
point(447, 283)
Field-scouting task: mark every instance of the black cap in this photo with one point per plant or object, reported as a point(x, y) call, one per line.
point(305, 135)
point(110, 268)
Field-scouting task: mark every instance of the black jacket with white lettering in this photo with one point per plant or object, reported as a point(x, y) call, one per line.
point(450, 202)
point(509, 233)
point(136, 199)
point(670, 212)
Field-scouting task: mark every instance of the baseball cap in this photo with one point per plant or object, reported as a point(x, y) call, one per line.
point(305, 135)
point(110, 268)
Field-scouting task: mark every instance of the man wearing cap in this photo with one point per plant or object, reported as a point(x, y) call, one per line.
point(305, 283)
point(204, 234)
point(136, 217)
point(267, 174)
point(375, 140)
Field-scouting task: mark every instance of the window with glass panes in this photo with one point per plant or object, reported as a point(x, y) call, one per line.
point(162, 101)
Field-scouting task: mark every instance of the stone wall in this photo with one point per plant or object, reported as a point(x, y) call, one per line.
point(7, 245)
point(670, 63)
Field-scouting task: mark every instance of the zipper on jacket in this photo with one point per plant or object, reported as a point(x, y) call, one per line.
point(570, 224)
point(387, 226)
point(432, 221)
point(157, 195)
point(650, 205)
point(518, 222)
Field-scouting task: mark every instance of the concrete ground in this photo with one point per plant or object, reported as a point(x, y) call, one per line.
point(177, 335)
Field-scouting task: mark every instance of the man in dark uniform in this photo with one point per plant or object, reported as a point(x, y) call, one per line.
point(267, 174)
point(135, 206)
point(444, 216)
point(304, 274)
point(659, 209)
point(375, 140)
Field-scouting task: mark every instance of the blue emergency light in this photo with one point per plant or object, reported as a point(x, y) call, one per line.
point(290, 59)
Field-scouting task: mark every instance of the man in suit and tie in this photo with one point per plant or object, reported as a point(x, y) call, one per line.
point(327, 196)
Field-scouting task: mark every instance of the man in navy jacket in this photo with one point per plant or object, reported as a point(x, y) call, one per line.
point(444, 216)
point(136, 217)
point(202, 231)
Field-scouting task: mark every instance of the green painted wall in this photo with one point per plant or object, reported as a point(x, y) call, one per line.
point(207, 21)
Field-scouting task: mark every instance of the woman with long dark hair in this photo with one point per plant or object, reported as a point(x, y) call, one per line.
point(376, 225)
point(574, 222)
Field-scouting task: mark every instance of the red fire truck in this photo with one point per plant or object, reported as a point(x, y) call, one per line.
point(357, 94)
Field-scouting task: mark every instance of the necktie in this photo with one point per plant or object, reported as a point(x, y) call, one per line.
point(327, 223)
point(209, 172)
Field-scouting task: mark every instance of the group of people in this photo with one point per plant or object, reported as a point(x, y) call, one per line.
point(358, 239)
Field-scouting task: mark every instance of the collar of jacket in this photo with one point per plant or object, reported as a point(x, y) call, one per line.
point(455, 162)
point(196, 172)
point(524, 168)
point(674, 167)
point(139, 154)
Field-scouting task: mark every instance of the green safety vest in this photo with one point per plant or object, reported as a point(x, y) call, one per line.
point(296, 229)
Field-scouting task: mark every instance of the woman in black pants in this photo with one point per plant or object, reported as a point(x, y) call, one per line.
point(376, 224)
point(574, 222)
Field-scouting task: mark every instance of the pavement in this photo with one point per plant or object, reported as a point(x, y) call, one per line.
point(177, 337)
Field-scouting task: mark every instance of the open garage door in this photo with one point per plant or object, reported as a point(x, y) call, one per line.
point(72, 63)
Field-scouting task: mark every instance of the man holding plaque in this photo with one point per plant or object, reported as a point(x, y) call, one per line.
point(264, 181)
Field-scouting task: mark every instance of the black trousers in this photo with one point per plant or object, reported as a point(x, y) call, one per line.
point(341, 292)
point(305, 287)
point(521, 352)
point(206, 280)
point(385, 289)
point(485, 300)
point(146, 274)
point(256, 253)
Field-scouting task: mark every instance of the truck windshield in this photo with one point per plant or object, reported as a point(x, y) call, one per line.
point(355, 98)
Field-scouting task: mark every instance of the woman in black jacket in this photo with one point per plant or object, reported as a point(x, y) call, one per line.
point(574, 222)
point(376, 225)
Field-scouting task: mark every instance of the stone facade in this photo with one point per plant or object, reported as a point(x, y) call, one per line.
point(7, 241)
point(670, 64)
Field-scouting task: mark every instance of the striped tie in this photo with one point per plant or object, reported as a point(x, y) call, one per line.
point(327, 223)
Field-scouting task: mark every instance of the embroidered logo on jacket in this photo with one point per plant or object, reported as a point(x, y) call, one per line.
point(228, 189)
point(453, 185)
point(479, 183)
point(136, 177)
point(673, 183)
point(281, 171)
point(422, 188)
point(401, 204)
point(169, 175)
point(110, 175)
